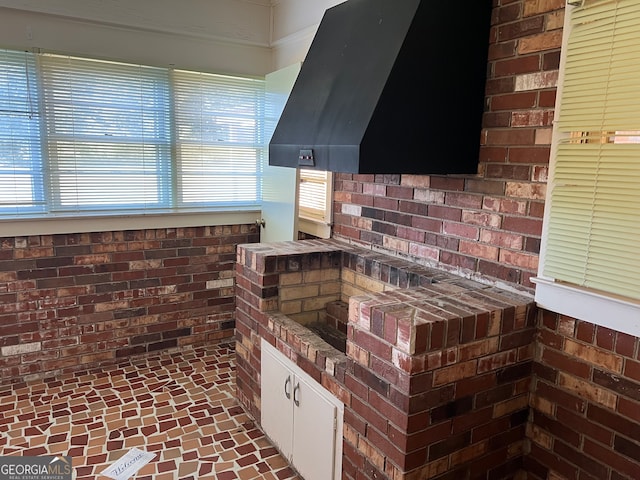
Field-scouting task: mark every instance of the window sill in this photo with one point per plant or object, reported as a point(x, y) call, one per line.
point(587, 305)
point(314, 227)
point(84, 224)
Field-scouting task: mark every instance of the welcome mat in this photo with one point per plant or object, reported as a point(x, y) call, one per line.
point(127, 465)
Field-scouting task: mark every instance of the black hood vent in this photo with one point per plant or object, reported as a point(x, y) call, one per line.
point(389, 86)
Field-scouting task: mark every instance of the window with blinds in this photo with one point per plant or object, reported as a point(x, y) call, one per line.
point(593, 220)
point(219, 138)
point(86, 136)
point(106, 134)
point(314, 195)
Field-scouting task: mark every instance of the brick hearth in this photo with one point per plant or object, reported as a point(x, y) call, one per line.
point(437, 368)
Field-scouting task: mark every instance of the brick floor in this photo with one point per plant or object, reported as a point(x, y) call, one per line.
point(179, 405)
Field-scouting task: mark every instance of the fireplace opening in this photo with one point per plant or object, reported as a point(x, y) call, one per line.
point(318, 298)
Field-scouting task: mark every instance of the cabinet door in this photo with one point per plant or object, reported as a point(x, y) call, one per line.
point(314, 427)
point(277, 402)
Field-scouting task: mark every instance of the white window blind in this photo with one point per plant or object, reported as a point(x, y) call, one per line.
point(219, 138)
point(593, 229)
point(314, 193)
point(107, 134)
point(81, 136)
point(20, 160)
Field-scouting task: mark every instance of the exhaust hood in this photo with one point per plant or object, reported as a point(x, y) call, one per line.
point(389, 86)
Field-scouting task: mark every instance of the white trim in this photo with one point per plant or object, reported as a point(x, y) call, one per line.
point(314, 227)
point(53, 226)
point(582, 304)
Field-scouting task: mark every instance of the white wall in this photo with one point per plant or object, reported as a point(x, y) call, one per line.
point(252, 37)
point(225, 36)
point(294, 24)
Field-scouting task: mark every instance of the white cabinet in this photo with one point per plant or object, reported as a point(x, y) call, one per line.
point(300, 417)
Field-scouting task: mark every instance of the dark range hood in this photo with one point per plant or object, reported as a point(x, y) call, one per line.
point(389, 86)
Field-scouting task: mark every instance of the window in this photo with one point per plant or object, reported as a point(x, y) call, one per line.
point(82, 136)
point(219, 138)
point(590, 266)
point(314, 194)
point(106, 134)
point(21, 180)
point(314, 202)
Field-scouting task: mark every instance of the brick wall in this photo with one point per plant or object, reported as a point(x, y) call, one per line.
point(585, 403)
point(487, 224)
point(303, 296)
point(75, 302)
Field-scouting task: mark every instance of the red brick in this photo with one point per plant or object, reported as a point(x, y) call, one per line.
point(625, 344)
point(479, 250)
point(411, 234)
point(540, 43)
point(519, 259)
point(547, 98)
point(356, 387)
point(561, 397)
point(374, 189)
point(508, 13)
point(566, 363)
point(629, 409)
point(615, 461)
point(502, 50)
point(370, 415)
point(385, 203)
point(493, 154)
point(534, 155)
point(390, 450)
point(463, 200)
point(529, 226)
point(447, 183)
point(528, 26)
point(605, 337)
point(542, 6)
point(511, 66)
point(445, 213)
point(428, 224)
point(461, 230)
point(514, 101)
point(522, 136)
point(533, 118)
point(364, 200)
point(402, 192)
point(391, 413)
point(511, 172)
point(461, 261)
